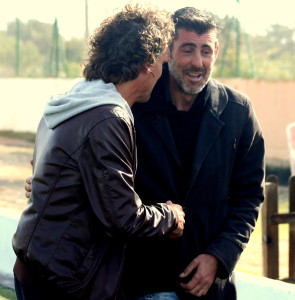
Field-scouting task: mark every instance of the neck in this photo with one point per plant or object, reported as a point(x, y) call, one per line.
point(127, 91)
point(180, 99)
point(136, 90)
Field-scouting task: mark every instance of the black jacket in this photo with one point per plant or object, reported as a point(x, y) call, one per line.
point(223, 192)
point(83, 206)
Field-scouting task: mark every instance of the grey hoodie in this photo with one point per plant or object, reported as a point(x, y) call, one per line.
point(82, 96)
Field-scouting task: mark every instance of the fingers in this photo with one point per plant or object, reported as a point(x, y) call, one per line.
point(177, 207)
point(200, 274)
point(190, 268)
point(29, 180)
point(28, 190)
point(197, 285)
point(178, 231)
point(28, 187)
point(180, 215)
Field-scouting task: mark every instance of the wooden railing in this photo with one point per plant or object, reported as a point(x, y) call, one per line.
point(271, 219)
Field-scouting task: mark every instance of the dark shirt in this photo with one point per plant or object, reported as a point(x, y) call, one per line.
point(184, 127)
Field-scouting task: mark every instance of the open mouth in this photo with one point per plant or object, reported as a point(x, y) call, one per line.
point(194, 75)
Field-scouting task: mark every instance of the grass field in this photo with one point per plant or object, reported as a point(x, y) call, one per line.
point(7, 294)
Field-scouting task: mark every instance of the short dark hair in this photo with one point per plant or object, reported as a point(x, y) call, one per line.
point(193, 19)
point(127, 42)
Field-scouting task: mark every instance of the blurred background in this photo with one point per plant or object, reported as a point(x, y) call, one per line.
point(43, 43)
point(42, 38)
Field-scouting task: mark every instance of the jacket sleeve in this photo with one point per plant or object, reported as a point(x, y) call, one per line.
point(245, 196)
point(107, 164)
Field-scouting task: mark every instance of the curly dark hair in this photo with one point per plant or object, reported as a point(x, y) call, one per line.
point(193, 19)
point(127, 42)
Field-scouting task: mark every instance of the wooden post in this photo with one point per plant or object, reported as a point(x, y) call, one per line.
point(292, 229)
point(270, 232)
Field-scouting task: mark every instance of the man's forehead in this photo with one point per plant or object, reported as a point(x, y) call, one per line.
point(185, 36)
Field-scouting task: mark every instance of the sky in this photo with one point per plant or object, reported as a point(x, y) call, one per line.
point(255, 15)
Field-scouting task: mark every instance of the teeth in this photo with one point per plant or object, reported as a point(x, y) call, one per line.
point(194, 74)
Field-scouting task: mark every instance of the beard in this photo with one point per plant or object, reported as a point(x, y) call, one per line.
point(185, 87)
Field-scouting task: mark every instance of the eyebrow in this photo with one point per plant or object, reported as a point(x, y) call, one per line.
point(188, 44)
point(194, 45)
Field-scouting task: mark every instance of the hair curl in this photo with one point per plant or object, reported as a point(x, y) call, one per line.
point(127, 42)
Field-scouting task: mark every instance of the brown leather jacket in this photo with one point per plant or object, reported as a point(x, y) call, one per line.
point(83, 206)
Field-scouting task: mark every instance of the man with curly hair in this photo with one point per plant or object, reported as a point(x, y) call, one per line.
point(70, 240)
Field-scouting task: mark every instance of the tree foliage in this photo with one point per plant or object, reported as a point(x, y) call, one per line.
point(36, 51)
point(275, 53)
point(271, 56)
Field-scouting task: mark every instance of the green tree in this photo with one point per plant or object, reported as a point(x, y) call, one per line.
point(75, 49)
point(35, 31)
point(31, 60)
point(275, 53)
point(7, 58)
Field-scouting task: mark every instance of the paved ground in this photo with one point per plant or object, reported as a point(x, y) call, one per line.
point(15, 155)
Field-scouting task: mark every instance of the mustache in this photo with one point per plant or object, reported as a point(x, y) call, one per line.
point(199, 70)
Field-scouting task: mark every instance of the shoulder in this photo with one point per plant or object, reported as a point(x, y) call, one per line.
point(111, 126)
point(230, 93)
point(229, 102)
point(107, 121)
point(110, 113)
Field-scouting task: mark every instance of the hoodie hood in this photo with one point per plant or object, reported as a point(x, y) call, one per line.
point(82, 96)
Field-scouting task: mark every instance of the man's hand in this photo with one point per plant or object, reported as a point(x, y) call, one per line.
point(28, 186)
point(178, 211)
point(202, 272)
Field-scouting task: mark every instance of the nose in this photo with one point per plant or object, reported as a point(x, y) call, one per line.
point(196, 60)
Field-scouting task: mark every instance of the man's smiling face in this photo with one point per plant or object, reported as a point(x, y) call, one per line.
point(192, 59)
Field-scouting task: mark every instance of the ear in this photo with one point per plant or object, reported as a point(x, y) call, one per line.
point(216, 49)
point(146, 69)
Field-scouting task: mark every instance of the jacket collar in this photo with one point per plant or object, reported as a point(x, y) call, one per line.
point(210, 128)
point(218, 97)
